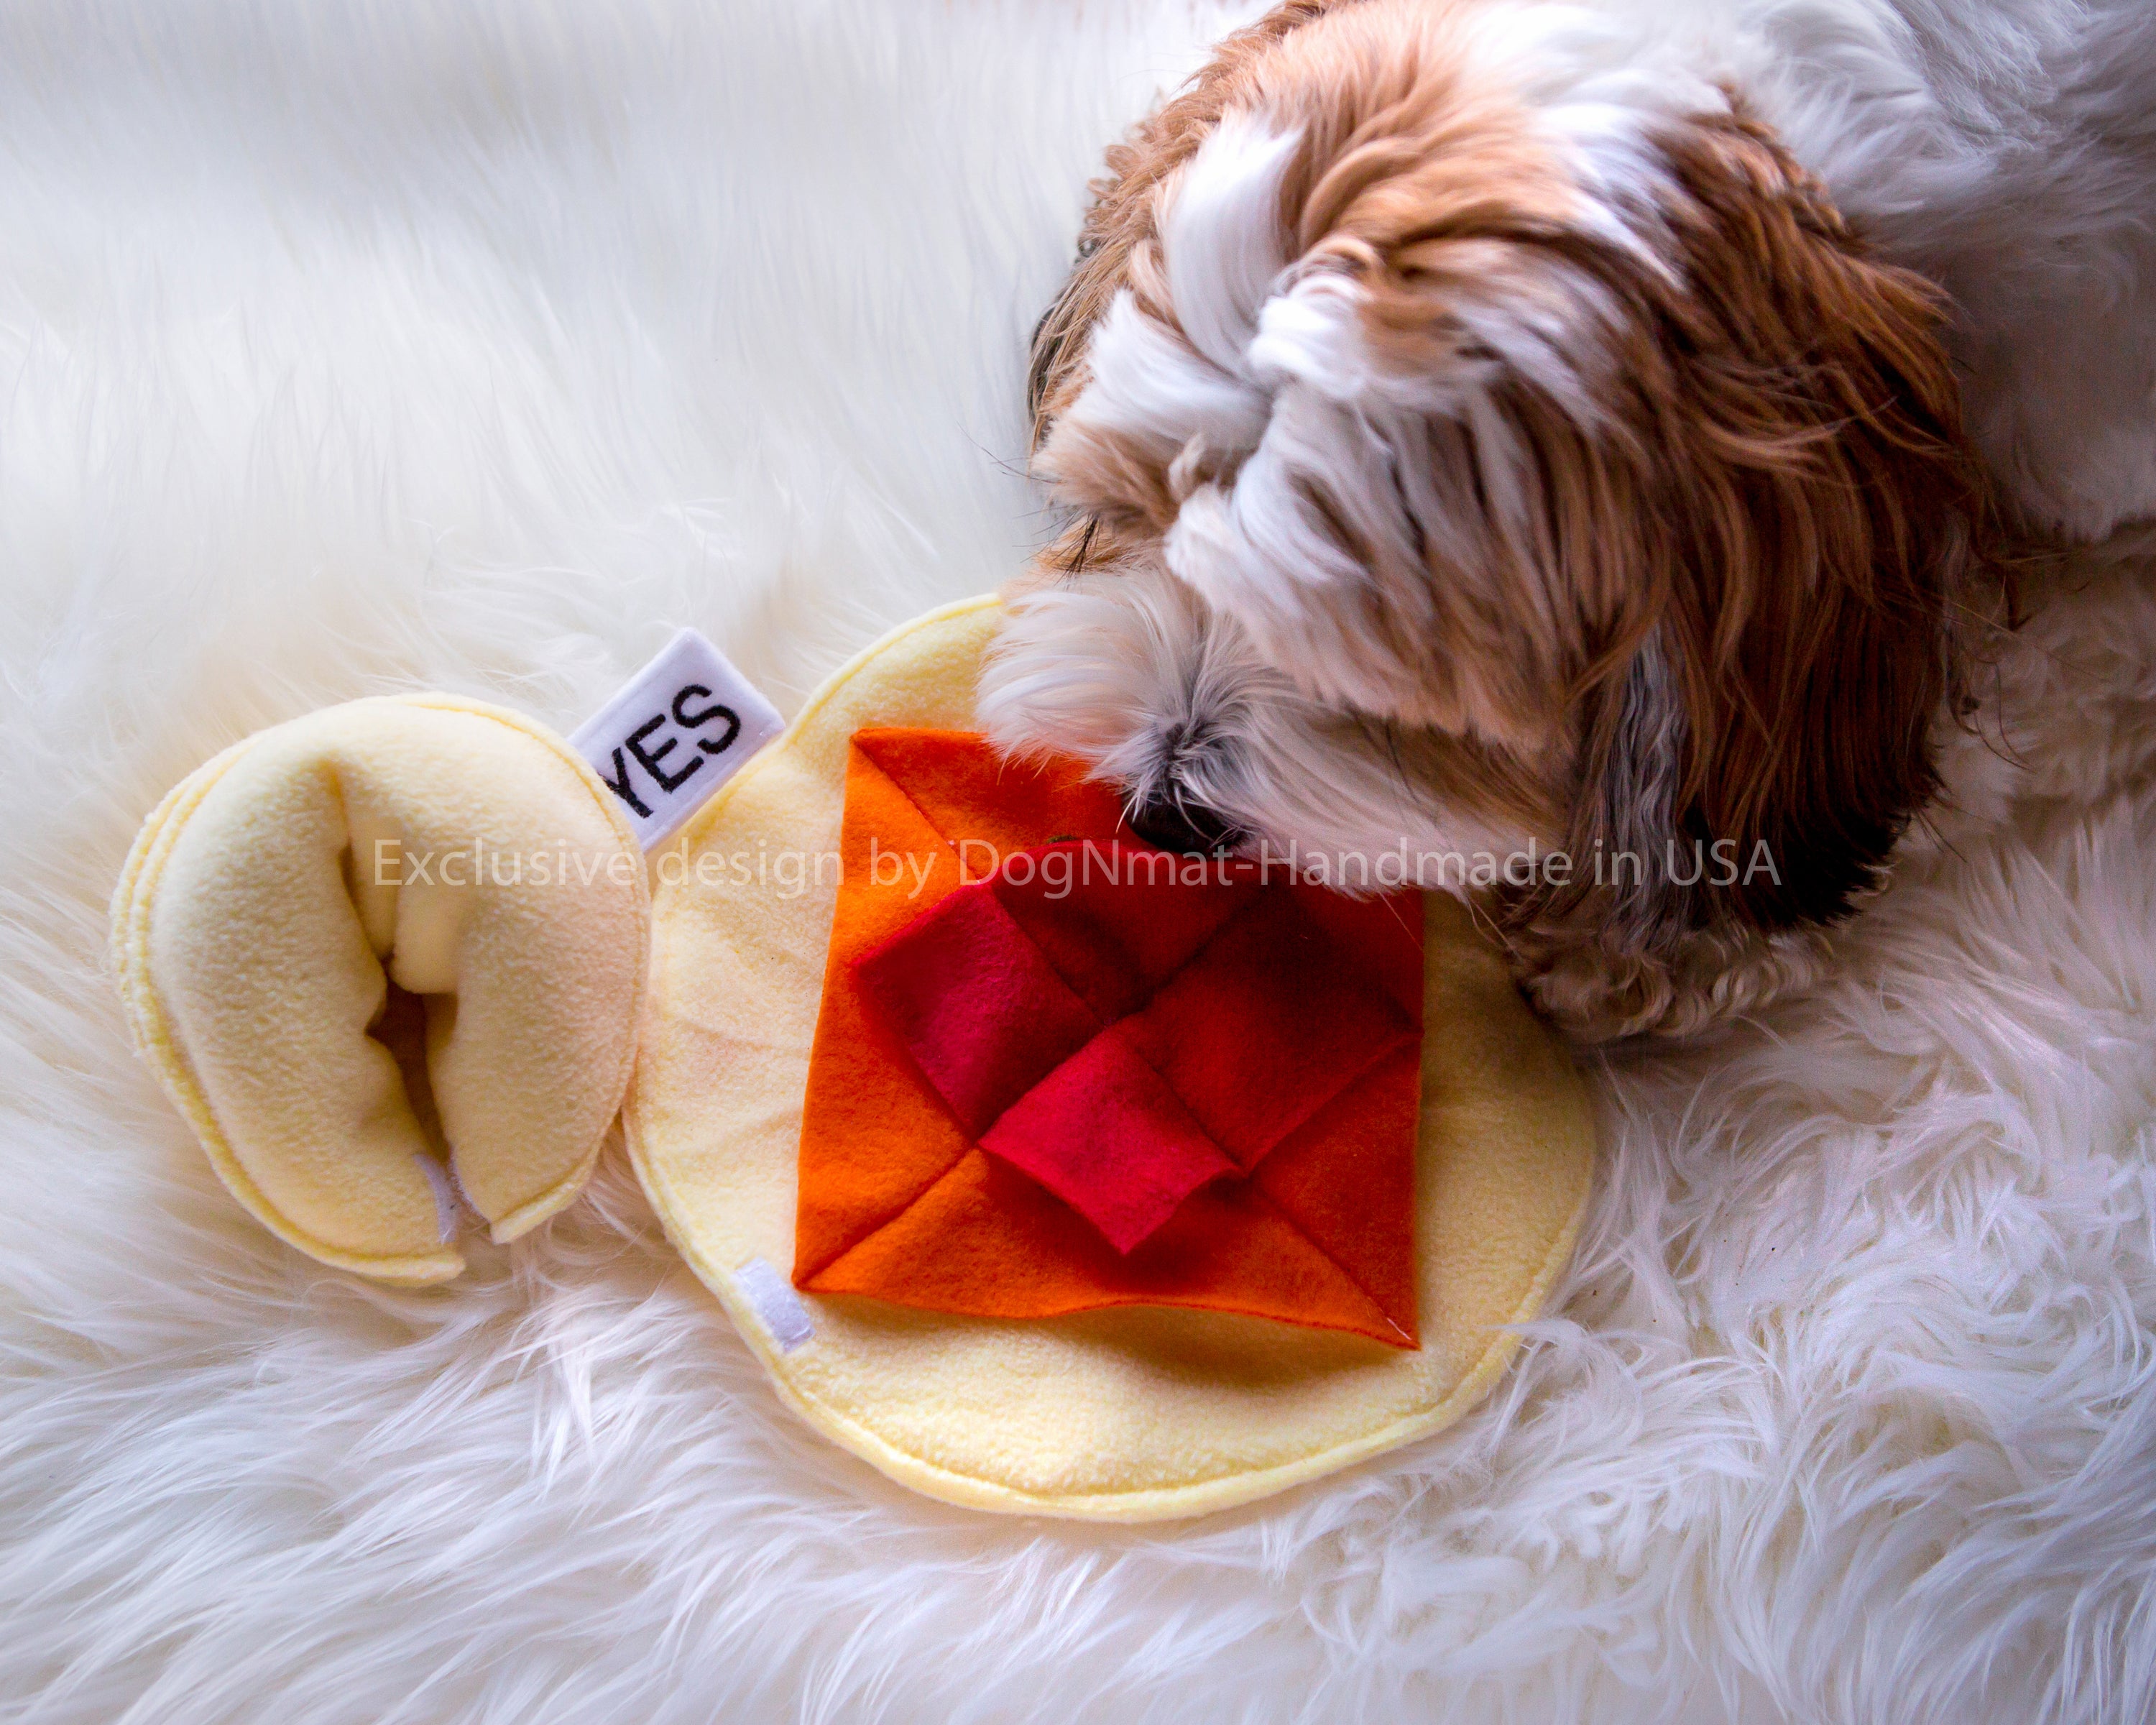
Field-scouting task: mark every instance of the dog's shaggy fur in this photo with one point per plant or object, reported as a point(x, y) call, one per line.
point(351, 348)
point(1482, 429)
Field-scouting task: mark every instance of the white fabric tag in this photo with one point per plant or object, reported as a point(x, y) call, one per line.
point(446, 1198)
point(678, 729)
point(776, 1303)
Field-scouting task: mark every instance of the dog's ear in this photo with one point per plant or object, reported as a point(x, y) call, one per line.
point(1057, 352)
point(1824, 524)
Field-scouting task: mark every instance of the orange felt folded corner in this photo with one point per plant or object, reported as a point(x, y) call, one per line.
point(1269, 1031)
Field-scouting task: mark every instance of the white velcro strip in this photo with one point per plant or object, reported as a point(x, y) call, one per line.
point(778, 1306)
point(678, 729)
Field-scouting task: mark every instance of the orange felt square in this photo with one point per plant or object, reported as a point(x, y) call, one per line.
point(1193, 970)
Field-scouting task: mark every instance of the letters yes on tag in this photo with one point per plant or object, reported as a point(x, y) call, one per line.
point(677, 730)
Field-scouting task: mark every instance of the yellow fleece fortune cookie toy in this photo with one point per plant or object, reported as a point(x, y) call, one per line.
point(431, 869)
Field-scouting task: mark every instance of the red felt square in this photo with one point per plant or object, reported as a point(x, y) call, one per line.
point(899, 1201)
point(1235, 1017)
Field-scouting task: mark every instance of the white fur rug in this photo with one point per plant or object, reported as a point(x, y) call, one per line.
point(376, 347)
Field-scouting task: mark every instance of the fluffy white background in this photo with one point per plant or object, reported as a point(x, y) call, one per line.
point(352, 349)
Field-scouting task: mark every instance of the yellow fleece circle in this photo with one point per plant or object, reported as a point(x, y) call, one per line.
point(1132, 1414)
point(460, 851)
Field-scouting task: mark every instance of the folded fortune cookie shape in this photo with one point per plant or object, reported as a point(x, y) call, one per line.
point(420, 869)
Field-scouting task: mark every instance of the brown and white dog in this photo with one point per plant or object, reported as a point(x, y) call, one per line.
point(1484, 438)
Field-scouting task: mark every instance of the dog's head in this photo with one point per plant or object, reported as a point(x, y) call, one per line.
point(1470, 434)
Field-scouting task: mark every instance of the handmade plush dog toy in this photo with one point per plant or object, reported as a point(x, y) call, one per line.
point(319, 880)
point(930, 1130)
point(1046, 1171)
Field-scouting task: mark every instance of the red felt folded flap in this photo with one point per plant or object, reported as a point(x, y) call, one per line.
point(1265, 1026)
point(1106, 1134)
point(1118, 921)
point(955, 984)
point(989, 1119)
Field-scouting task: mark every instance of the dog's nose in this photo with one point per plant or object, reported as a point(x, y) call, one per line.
point(1171, 822)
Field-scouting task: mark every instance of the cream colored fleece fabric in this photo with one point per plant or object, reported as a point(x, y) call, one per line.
point(470, 854)
point(1132, 1414)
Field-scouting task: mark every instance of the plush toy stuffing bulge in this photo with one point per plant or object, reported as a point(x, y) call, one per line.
point(456, 850)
